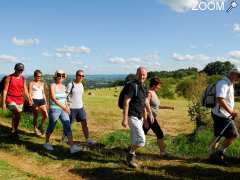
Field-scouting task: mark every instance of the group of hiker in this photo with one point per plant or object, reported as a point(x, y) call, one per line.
point(140, 108)
point(65, 103)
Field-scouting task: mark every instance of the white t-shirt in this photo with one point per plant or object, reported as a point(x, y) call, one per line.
point(75, 99)
point(224, 89)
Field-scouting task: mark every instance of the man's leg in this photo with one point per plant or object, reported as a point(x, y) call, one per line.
point(137, 139)
point(85, 129)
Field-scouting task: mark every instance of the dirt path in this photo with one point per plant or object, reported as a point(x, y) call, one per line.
point(27, 165)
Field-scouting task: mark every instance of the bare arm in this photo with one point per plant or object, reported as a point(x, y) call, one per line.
point(148, 108)
point(225, 106)
point(4, 94)
point(166, 107)
point(30, 91)
point(26, 91)
point(125, 111)
point(44, 95)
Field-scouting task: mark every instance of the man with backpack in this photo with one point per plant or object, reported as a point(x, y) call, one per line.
point(75, 91)
point(13, 95)
point(224, 112)
point(133, 111)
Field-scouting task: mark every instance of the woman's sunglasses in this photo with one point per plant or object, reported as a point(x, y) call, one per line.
point(61, 75)
point(80, 75)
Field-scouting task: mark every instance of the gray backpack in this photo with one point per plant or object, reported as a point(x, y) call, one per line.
point(209, 95)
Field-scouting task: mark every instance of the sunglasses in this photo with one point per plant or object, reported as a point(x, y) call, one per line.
point(61, 75)
point(38, 76)
point(20, 70)
point(80, 75)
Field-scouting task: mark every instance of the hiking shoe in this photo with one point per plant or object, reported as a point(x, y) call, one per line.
point(90, 142)
point(37, 132)
point(130, 160)
point(74, 148)
point(218, 157)
point(163, 154)
point(48, 146)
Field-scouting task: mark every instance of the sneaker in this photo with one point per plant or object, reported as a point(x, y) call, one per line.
point(130, 160)
point(218, 158)
point(42, 131)
point(64, 139)
point(90, 142)
point(74, 149)
point(37, 132)
point(163, 154)
point(48, 146)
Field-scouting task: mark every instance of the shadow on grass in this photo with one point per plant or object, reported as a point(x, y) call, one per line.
point(61, 152)
point(197, 172)
point(100, 154)
point(115, 173)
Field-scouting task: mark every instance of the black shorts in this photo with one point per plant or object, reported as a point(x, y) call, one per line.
point(155, 128)
point(78, 114)
point(220, 123)
point(39, 102)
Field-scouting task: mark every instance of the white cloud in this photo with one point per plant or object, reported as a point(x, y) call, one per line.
point(150, 61)
point(236, 27)
point(180, 5)
point(8, 58)
point(74, 50)
point(59, 55)
point(25, 42)
point(76, 62)
point(117, 60)
point(234, 54)
point(68, 51)
point(188, 57)
point(46, 54)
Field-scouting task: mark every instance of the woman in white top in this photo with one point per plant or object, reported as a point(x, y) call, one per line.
point(38, 99)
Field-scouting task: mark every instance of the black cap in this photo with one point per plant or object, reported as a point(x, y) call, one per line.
point(19, 67)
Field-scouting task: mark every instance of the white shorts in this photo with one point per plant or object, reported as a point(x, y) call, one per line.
point(137, 133)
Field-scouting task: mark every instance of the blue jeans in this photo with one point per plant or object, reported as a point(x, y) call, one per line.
point(54, 115)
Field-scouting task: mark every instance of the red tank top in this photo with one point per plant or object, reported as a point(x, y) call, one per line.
point(16, 90)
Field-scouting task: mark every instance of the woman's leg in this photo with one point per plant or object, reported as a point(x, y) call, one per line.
point(146, 126)
point(64, 117)
point(158, 132)
point(53, 116)
point(35, 117)
point(44, 117)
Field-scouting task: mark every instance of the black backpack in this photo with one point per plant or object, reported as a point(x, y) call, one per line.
point(124, 91)
point(2, 83)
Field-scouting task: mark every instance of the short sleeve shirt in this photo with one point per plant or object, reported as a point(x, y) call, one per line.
point(138, 93)
point(75, 99)
point(225, 90)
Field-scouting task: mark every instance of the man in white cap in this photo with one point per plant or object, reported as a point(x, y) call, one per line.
point(223, 111)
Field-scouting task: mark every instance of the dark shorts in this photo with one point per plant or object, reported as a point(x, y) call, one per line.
point(39, 102)
point(155, 128)
point(219, 124)
point(78, 114)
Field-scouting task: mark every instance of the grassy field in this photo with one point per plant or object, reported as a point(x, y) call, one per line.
point(25, 158)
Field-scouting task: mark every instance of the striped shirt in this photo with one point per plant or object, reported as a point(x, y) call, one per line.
point(60, 95)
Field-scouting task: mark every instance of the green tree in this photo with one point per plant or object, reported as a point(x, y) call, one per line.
point(218, 67)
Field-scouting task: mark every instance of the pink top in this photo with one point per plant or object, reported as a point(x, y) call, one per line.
point(15, 90)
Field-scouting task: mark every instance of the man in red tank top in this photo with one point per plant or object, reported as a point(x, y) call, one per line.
point(13, 95)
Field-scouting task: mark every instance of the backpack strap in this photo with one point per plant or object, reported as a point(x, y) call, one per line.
point(136, 89)
point(71, 90)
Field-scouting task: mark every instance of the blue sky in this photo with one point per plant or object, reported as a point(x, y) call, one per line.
point(114, 37)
